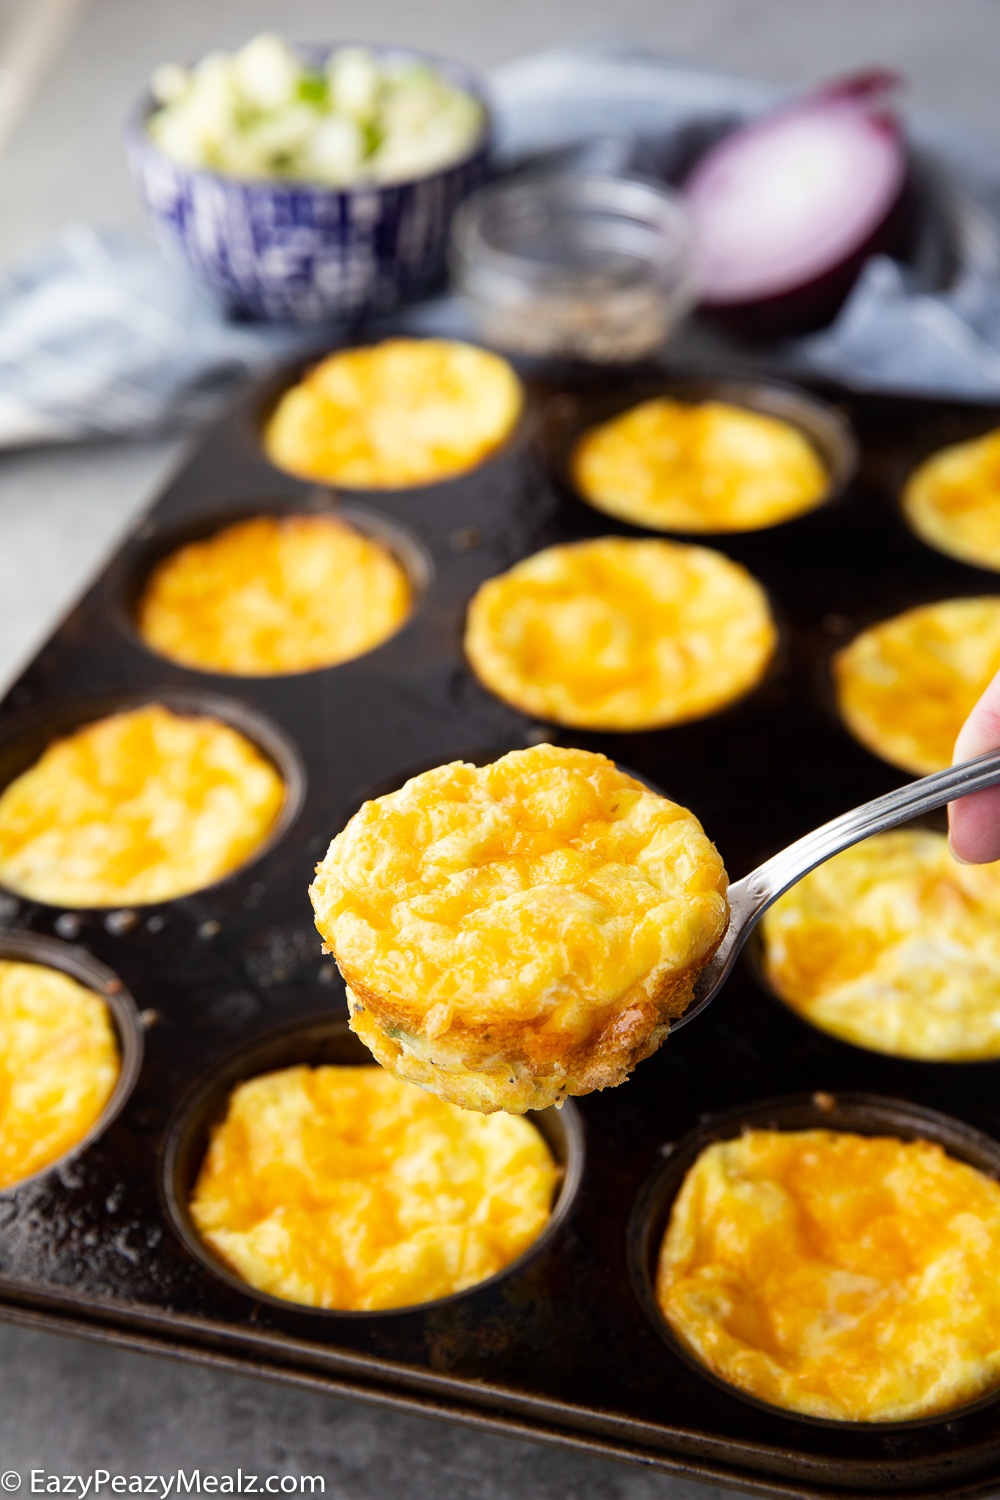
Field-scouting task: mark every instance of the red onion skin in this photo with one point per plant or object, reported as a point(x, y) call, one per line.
point(815, 303)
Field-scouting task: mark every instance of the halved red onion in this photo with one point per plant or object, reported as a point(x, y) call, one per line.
point(786, 209)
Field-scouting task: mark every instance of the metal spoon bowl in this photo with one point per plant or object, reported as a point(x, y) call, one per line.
point(750, 897)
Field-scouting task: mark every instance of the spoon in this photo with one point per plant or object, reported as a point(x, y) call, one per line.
point(750, 897)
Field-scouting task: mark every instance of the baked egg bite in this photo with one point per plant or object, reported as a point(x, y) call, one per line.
point(836, 1275)
point(894, 946)
point(141, 806)
point(342, 1187)
point(906, 686)
point(58, 1066)
point(272, 595)
point(619, 634)
point(698, 466)
point(514, 933)
point(403, 412)
point(952, 501)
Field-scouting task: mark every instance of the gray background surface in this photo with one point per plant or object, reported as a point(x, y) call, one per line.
point(68, 1406)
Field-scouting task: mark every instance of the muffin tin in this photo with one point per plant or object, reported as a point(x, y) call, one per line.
point(563, 1345)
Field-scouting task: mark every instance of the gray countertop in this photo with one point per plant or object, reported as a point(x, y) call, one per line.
point(68, 1406)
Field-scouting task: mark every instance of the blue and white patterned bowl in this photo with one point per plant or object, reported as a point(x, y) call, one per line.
point(295, 252)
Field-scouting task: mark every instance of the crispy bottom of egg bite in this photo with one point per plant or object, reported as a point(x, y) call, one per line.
point(344, 1188)
point(58, 1066)
point(518, 932)
point(141, 806)
point(403, 412)
point(619, 634)
point(952, 501)
point(273, 595)
point(699, 467)
point(906, 686)
point(894, 946)
point(836, 1275)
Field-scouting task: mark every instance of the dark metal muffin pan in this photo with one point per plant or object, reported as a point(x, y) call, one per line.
point(560, 1347)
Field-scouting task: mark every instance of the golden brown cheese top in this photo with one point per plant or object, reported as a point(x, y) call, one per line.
point(343, 1188)
point(906, 686)
point(539, 888)
point(952, 501)
point(894, 946)
point(841, 1276)
point(620, 634)
point(403, 412)
point(58, 1066)
point(273, 595)
point(698, 467)
point(141, 806)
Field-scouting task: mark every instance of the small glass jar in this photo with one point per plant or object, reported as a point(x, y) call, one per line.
point(589, 267)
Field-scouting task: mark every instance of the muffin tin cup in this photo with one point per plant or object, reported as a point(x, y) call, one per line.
point(32, 948)
point(845, 631)
point(754, 959)
point(125, 591)
point(26, 737)
point(749, 700)
point(943, 434)
point(257, 411)
point(828, 432)
point(325, 1041)
point(857, 1114)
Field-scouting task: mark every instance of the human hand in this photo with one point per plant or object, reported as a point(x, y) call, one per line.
point(974, 822)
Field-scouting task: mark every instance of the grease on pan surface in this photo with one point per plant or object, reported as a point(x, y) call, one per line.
point(906, 686)
point(403, 412)
point(836, 1275)
point(894, 946)
point(711, 466)
point(141, 806)
point(272, 595)
point(515, 933)
point(619, 634)
point(952, 501)
point(58, 1066)
point(341, 1187)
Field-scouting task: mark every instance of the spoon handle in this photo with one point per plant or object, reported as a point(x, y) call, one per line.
point(765, 884)
point(750, 897)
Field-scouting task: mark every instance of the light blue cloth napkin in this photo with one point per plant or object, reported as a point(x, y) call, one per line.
point(100, 335)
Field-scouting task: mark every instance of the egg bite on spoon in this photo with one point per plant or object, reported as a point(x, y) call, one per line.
point(515, 933)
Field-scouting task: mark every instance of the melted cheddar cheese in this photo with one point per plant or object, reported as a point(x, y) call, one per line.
point(710, 466)
point(619, 634)
point(840, 1276)
point(952, 501)
point(344, 1188)
point(273, 595)
point(534, 923)
point(894, 946)
point(58, 1066)
point(906, 686)
point(142, 806)
point(404, 412)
